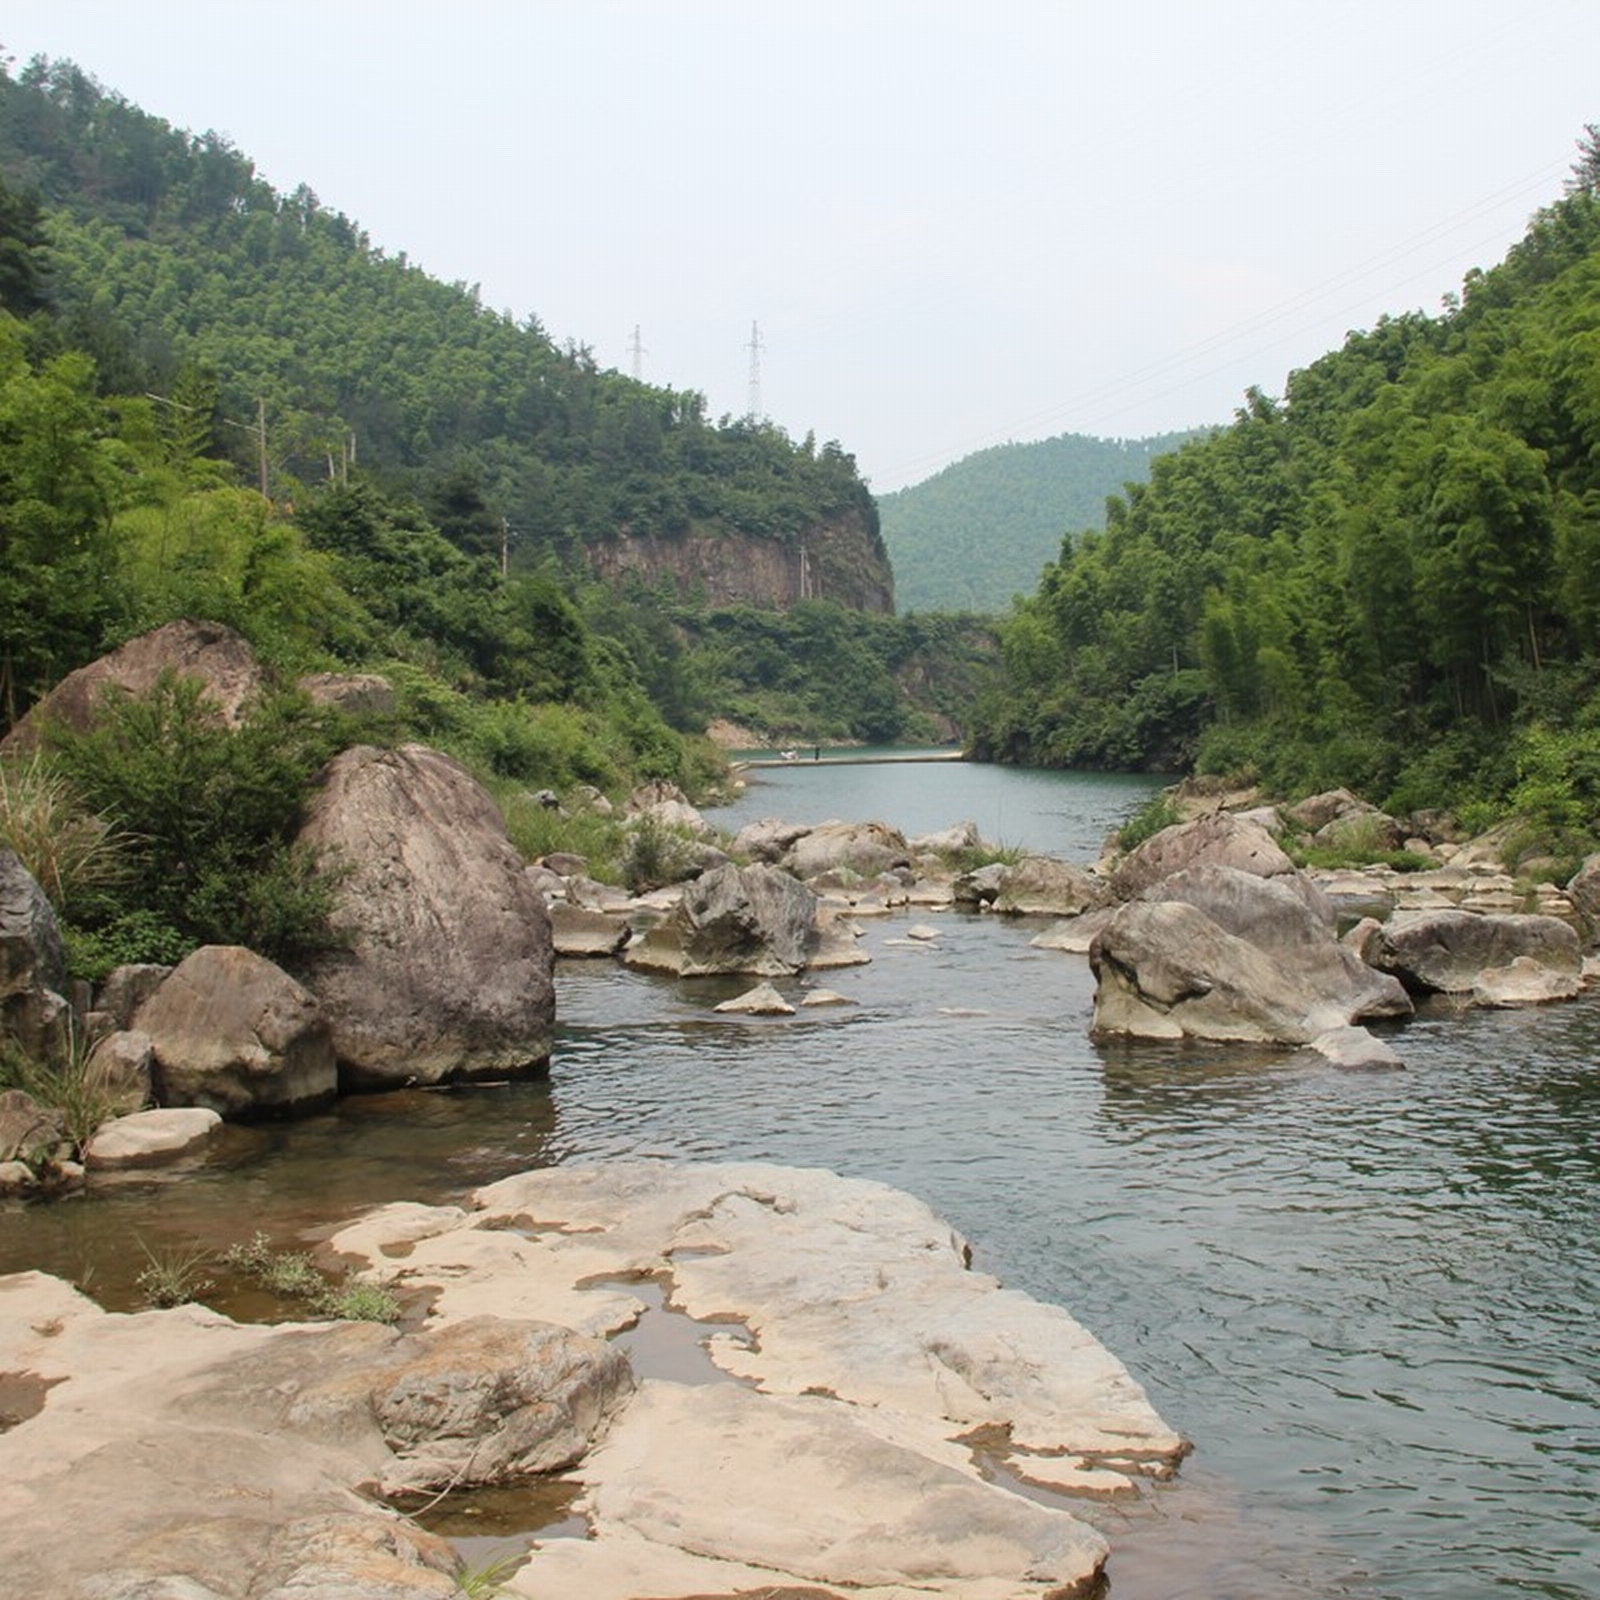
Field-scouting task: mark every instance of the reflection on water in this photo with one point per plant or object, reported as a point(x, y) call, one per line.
point(1370, 1298)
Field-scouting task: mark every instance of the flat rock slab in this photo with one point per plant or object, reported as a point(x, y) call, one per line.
point(875, 1355)
point(151, 1138)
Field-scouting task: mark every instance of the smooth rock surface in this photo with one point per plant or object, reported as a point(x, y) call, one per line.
point(231, 1031)
point(1043, 886)
point(874, 1348)
point(1220, 840)
point(1165, 969)
point(150, 1138)
point(448, 974)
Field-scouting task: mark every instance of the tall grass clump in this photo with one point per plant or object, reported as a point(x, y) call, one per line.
point(69, 849)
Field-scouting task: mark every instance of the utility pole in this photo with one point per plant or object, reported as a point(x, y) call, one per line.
point(638, 353)
point(753, 408)
point(261, 443)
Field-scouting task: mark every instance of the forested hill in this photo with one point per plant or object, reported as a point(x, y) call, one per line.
point(977, 534)
point(187, 276)
point(1389, 579)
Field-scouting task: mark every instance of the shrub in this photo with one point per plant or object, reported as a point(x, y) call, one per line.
point(208, 814)
point(1158, 812)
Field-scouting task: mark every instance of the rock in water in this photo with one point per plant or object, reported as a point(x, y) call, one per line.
point(234, 1033)
point(449, 973)
point(755, 920)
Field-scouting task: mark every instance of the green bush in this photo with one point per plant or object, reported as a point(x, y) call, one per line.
point(208, 814)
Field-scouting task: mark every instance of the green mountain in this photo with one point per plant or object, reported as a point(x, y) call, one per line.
point(1389, 579)
point(978, 533)
point(288, 342)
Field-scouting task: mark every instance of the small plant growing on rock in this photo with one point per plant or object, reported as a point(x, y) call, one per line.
point(292, 1275)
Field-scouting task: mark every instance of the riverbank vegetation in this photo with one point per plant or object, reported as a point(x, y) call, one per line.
point(1389, 579)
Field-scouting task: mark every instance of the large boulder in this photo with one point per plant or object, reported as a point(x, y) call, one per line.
point(1043, 886)
point(862, 848)
point(754, 920)
point(448, 970)
point(1222, 840)
point(219, 658)
point(356, 694)
point(234, 1033)
point(1448, 952)
point(1218, 953)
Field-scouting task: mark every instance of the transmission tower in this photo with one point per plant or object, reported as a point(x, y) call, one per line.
point(638, 352)
point(753, 410)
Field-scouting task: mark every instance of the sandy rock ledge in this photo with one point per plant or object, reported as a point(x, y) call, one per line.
point(863, 1385)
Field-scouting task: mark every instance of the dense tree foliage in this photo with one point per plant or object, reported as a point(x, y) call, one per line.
point(172, 261)
point(1390, 579)
point(974, 536)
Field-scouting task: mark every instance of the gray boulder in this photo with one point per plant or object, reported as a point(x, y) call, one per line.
point(33, 963)
point(356, 694)
point(1583, 890)
point(864, 849)
point(234, 1033)
point(124, 989)
point(448, 970)
point(1448, 952)
point(1231, 956)
point(768, 839)
point(1222, 840)
point(498, 1399)
point(754, 920)
point(150, 1138)
point(1043, 886)
point(121, 1070)
point(31, 1133)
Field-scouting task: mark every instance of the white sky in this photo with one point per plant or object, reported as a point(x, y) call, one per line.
point(955, 223)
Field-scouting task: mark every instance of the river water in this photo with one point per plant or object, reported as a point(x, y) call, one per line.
point(1370, 1299)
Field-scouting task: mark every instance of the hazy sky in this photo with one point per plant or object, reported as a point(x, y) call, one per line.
point(955, 223)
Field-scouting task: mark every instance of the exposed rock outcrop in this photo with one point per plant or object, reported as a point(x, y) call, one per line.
point(1221, 840)
point(841, 559)
point(863, 848)
point(33, 962)
point(1449, 951)
point(448, 973)
point(178, 1454)
point(1043, 886)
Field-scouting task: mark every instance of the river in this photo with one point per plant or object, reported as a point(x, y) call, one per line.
point(1370, 1299)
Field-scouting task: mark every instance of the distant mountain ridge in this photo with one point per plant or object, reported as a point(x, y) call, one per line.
point(981, 530)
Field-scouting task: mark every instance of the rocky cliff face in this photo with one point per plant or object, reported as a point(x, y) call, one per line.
point(841, 559)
